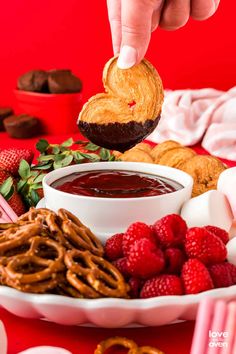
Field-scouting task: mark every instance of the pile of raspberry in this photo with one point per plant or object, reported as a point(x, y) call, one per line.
point(168, 258)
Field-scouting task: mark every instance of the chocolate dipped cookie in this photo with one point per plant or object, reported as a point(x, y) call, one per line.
point(22, 126)
point(128, 111)
point(4, 113)
point(63, 81)
point(34, 81)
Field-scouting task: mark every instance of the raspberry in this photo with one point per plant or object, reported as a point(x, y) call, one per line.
point(135, 287)
point(175, 259)
point(121, 265)
point(196, 277)
point(145, 259)
point(113, 247)
point(223, 275)
point(205, 246)
point(162, 285)
point(217, 231)
point(135, 232)
point(170, 230)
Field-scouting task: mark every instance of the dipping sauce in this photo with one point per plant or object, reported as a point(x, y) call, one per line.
point(115, 184)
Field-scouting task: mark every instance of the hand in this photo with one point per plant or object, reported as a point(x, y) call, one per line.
point(132, 22)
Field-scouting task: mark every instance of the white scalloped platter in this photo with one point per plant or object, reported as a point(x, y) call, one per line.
point(107, 313)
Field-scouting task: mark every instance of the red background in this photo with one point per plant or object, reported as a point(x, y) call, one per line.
point(75, 34)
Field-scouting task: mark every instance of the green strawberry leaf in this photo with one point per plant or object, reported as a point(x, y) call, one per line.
point(46, 157)
point(34, 197)
point(92, 147)
point(105, 154)
point(39, 178)
point(24, 169)
point(36, 186)
point(46, 166)
point(112, 158)
point(56, 149)
point(7, 188)
point(91, 157)
point(42, 145)
point(64, 162)
point(68, 143)
point(21, 184)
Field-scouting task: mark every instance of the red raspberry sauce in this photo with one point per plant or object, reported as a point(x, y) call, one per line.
point(115, 184)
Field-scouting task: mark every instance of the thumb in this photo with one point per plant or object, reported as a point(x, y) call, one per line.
point(136, 27)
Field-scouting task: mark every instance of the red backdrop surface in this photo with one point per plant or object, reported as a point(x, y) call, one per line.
point(75, 34)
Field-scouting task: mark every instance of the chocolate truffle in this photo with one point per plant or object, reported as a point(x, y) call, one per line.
point(22, 126)
point(34, 81)
point(129, 110)
point(4, 112)
point(63, 81)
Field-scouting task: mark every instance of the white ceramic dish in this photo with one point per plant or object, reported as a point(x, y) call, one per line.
point(107, 216)
point(109, 313)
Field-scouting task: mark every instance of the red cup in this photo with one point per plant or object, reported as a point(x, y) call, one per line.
point(58, 113)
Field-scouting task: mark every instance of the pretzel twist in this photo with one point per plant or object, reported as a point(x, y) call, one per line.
point(80, 236)
point(113, 341)
point(99, 274)
point(125, 343)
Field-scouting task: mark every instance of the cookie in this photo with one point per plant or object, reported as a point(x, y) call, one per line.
point(4, 112)
point(159, 150)
point(34, 81)
point(205, 171)
point(63, 81)
point(144, 147)
point(22, 126)
point(136, 155)
point(176, 157)
point(128, 111)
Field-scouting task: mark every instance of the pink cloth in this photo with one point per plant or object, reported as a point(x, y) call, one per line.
point(189, 116)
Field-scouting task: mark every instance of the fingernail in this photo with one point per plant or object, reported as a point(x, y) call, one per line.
point(127, 57)
point(116, 50)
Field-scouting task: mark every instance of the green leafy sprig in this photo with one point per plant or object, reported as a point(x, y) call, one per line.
point(30, 184)
point(53, 156)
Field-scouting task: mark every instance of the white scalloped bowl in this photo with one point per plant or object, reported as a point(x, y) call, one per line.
point(108, 313)
point(107, 216)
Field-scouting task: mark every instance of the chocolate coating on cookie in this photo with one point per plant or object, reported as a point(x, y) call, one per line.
point(34, 81)
point(63, 81)
point(118, 136)
point(22, 126)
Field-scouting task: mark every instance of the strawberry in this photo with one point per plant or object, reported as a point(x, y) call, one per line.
point(145, 259)
point(135, 232)
point(10, 159)
point(9, 192)
point(223, 275)
point(195, 276)
point(170, 230)
point(217, 231)
point(205, 246)
point(113, 247)
point(17, 204)
point(162, 285)
point(4, 175)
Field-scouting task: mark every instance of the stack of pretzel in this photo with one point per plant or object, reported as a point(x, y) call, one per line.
point(45, 252)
